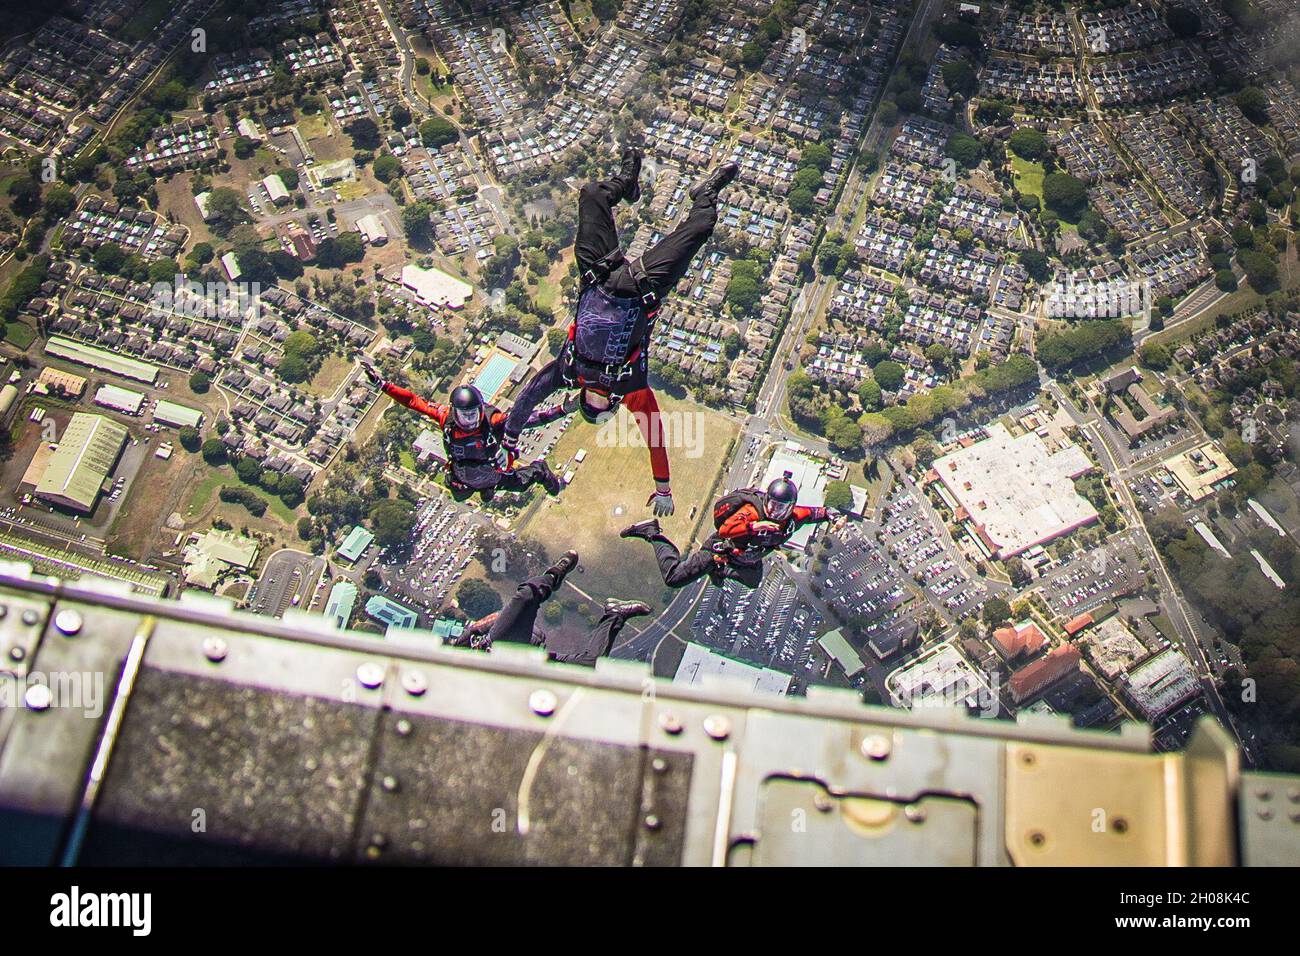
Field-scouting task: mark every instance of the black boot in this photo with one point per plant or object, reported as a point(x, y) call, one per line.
point(642, 529)
point(557, 571)
point(630, 173)
point(626, 609)
point(550, 480)
point(705, 192)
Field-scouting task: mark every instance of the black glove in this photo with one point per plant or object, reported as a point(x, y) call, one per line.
point(372, 373)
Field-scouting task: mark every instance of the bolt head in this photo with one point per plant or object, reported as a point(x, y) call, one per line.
point(370, 675)
point(670, 723)
point(542, 702)
point(38, 697)
point(717, 726)
point(876, 747)
point(414, 682)
point(68, 621)
point(214, 649)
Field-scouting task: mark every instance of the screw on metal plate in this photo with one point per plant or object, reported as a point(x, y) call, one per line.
point(389, 784)
point(370, 674)
point(403, 727)
point(16, 653)
point(30, 617)
point(717, 726)
point(68, 621)
point(38, 697)
point(414, 683)
point(1264, 813)
point(214, 649)
point(670, 723)
point(542, 703)
point(914, 813)
point(876, 747)
point(652, 822)
point(659, 765)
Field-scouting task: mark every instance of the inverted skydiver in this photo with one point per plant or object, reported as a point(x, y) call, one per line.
point(749, 525)
point(477, 460)
point(606, 354)
point(517, 621)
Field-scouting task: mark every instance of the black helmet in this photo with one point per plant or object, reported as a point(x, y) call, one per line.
point(466, 406)
point(781, 497)
point(602, 409)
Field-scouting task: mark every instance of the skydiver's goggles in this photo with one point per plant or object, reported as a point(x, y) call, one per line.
point(779, 510)
point(467, 418)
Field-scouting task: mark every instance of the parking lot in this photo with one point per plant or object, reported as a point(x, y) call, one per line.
point(859, 582)
point(910, 538)
point(771, 626)
point(288, 580)
point(1090, 578)
point(443, 547)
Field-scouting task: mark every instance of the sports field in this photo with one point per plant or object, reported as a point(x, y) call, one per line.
point(609, 492)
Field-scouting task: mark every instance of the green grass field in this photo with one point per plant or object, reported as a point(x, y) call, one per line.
point(609, 492)
point(19, 334)
point(1028, 176)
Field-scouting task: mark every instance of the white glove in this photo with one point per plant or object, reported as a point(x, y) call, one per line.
point(661, 502)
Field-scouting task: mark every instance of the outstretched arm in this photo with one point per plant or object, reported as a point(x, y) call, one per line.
point(414, 402)
point(809, 515)
point(644, 407)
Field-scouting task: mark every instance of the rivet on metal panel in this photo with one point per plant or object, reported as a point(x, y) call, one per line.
point(389, 784)
point(30, 617)
point(414, 682)
point(542, 702)
point(659, 765)
point(823, 803)
point(717, 726)
point(403, 728)
point(38, 697)
point(16, 653)
point(914, 813)
point(652, 822)
point(1264, 794)
point(670, 723)
point(214, 649)
point(370, 674)
point(876, 747)
point(1264, 813)
point(68, 621)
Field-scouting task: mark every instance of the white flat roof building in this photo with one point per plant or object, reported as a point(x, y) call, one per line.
point(274, 187)
point(433, 287)
point(230, 263)
point(1162, 684)
point(942, 678)
point(372, 229)
point(1015, 491)
point(700, 664)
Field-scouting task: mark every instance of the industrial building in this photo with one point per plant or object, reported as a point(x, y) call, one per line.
point(210, 555)
point(119, 399)
point(275, 190)
point(390, 613)
point(700, 664)
point(1014, 492)
point(433, 287)
point(177, 416)
point(86, 455)
point(1162, 684)
point(343, 598)
point(372, 230)
point(55, 381)
point(354, 544)
point(1200, 471)
point(101, 359)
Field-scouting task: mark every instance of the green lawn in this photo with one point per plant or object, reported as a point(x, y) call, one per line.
point(149, 16)
point(225, 475)
point(19, 334)
point(1028, 176)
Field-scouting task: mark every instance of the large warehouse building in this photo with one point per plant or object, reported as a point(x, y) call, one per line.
point(1015, 492)
point(78, 468)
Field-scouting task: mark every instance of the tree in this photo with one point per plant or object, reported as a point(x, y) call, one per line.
point(1065, 195)
point(477, 598)
point(437, 131)
point(869, 395)
point(1182, 21)
point(959, 77)
point(417, 223)
point(214, 453)
point(1028, 144)
point(248, 470)
point(393, 520)
point(1035, 264)
point(1254, 104)
point(889, 375)
point(364, 132)
point(189, 438)
point(386, 168)
point(839, 495)
point(966, 150)
point(199, 383)
point(1155, 356)
point(996, 612)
